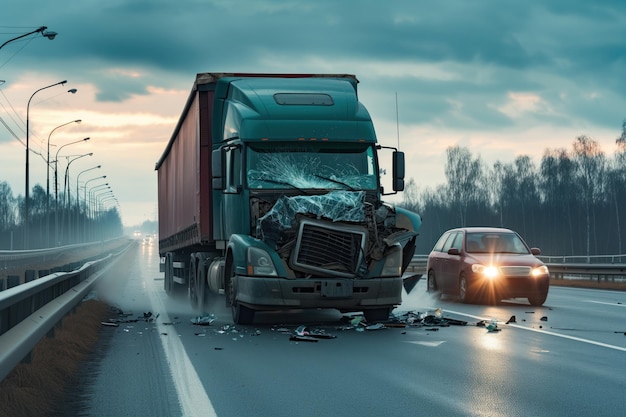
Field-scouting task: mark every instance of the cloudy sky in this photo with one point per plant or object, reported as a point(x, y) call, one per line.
point(502, 78)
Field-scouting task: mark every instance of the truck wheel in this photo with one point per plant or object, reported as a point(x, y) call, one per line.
point(377, 314)
point(241, 314)
point(193, 281)
point(168, 282)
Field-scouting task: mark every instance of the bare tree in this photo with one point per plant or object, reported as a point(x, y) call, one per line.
point(464, 175)
point(591, 164)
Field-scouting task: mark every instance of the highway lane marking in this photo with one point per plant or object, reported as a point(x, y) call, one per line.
point(605, 303)
point(194, 400)
point(429, 344)
point(564, 336)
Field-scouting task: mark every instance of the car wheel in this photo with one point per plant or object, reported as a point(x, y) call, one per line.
point(431, 284)
point(538, 299)
point(465, 293)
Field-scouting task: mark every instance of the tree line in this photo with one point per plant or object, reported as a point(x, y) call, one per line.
point(53, 222)
point(571, 203)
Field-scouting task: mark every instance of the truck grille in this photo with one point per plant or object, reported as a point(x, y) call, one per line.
point(328, 248)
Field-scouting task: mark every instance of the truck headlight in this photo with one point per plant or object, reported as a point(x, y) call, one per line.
point(260, 263)
point(393, 262)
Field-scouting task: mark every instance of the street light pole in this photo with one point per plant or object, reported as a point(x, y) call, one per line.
point(43, 30)
point(26, 196)
point(56, 183)
point(85, 237)
point(67, 170)
point(96, 213)
point(73, 90)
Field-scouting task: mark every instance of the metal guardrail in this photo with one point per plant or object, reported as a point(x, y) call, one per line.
point(615, 268)
point(29, 311)
point(12, 258)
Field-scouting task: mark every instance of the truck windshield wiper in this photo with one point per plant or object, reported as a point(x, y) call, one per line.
point(336, 182)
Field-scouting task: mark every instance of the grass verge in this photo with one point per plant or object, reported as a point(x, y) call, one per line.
point(33, 389)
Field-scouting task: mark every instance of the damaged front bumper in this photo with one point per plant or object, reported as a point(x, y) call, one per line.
point(270, 293)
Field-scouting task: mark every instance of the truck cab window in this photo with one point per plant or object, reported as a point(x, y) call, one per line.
point(337, 166)
point(233, 169)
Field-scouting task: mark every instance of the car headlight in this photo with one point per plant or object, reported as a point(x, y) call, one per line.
point(540, 271)
point(260, 263)
point(487, 271)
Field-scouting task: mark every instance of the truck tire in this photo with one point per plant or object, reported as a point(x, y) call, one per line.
point(241, 314)
point(194, 294)
point(168, 275)
point(374, 315)
point(199, 288)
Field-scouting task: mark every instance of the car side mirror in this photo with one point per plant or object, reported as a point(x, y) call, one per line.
point(535, 251)
point(454, 251)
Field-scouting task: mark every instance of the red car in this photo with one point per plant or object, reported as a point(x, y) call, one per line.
point(487, 264)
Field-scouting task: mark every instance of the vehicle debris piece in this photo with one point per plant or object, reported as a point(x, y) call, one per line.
point(492, 327)
point(296, 338)
point(205, 320)
point(511, 320)
point(303, 332)
point(108, 323)
point(410, 282)
point(377, 326)
point(544, 318)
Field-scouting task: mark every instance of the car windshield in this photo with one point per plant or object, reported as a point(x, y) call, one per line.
point(349, 166)
point(490, 242)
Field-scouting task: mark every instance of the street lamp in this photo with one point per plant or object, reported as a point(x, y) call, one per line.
point(88, 208)
point(56, 161)
point(43, 30)
point(26, 197)
point(73, 90)
point(65, 182)
point(78, 195)
point(97, 211)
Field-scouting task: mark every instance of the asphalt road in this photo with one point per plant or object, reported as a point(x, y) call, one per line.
point(567, 358)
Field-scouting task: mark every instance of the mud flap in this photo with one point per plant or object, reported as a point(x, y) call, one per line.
point(410, 282)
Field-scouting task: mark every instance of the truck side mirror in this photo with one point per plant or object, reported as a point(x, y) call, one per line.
point(398, 171)
point(217, 169)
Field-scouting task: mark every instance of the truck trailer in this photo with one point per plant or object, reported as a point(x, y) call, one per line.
point(269, 192)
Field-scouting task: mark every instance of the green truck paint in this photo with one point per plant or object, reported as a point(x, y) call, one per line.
point(270, 193)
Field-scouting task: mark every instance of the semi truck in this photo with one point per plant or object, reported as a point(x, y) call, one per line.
point(270, 193)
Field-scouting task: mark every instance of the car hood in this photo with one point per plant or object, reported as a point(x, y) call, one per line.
point(504, 259)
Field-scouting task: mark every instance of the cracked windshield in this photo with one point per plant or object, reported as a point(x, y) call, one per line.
point(348, 167)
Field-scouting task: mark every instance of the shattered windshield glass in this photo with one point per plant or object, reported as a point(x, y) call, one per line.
point(311, 166)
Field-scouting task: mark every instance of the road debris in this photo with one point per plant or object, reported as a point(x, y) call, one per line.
point(204, 320)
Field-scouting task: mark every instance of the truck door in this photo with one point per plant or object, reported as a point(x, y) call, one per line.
point(235, 212)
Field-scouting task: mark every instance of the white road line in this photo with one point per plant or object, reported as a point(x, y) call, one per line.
point(564, 336)
point(605, 303)
point(193, 398)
